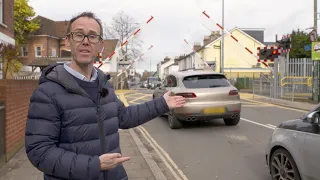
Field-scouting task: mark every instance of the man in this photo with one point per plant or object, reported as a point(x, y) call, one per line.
point(74, 114)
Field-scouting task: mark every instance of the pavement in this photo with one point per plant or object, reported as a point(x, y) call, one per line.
point(292, 104)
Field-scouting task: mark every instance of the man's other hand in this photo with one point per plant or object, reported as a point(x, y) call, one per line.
point(109, 161)
point(174, 101)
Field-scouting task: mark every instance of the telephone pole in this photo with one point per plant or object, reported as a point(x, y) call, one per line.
point(315, 63)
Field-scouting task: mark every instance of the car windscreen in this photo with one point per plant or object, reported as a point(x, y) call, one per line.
point(153, 79)
point(205, 81)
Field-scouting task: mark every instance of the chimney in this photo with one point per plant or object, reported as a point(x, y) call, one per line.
point(196, 46)
point(215, 35)
point(166, 59)
point(206, 40)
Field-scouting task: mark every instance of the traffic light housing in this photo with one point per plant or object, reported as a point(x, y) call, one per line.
point(268, 54)
point(285, 43)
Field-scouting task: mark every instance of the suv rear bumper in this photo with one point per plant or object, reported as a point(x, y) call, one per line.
point(192, 112)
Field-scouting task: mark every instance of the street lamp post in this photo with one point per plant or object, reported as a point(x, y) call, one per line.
point(222, 42)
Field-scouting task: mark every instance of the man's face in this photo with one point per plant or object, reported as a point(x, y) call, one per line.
point(84, 51)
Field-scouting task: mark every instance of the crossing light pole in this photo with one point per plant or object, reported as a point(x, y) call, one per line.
point(222, 42)
point(315, 83)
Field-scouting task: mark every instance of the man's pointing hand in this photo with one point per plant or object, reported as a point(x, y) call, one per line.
point(174, 101)
point(109, 161)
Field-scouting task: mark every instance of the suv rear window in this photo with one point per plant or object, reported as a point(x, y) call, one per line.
point(205, 81)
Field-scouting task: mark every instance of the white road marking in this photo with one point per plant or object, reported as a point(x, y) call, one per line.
point(271, 125)
point(158, 148)
point(253, 122)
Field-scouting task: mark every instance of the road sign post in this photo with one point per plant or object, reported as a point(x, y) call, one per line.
point(315, 55)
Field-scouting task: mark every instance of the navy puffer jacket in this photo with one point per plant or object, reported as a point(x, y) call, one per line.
point(66, 131)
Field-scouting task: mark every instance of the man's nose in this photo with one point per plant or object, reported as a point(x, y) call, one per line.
point(85, 41)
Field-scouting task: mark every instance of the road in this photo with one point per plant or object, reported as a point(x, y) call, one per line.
point(213, 150)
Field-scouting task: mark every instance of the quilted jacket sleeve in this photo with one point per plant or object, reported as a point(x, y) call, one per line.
point(135, 115)
point(42, 136)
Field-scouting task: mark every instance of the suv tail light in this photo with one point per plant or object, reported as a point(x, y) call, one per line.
point(187, 95)
point(233, 92)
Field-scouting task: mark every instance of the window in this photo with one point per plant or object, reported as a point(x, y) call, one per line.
point(54, 53)
point(205, 81)
point(24, 51)
point(1, 12)
point(38, 51)
point(171, 81)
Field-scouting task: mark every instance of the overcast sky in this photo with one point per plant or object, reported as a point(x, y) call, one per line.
point(175, 20)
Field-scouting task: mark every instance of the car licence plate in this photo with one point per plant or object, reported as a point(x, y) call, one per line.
point(214, 110)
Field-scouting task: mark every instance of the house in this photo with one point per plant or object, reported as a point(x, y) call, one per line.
point(110, 66)
point(47, 46)
point(170, 66)
point(237, 61)
point(167, 66)
point(161, 66)
point(6, 24)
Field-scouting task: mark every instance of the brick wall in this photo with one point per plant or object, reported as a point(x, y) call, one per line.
point(7, 18)
point(16, 96)
point(46, 44)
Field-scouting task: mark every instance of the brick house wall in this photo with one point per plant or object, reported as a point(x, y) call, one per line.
point(45, 42)
point(7, 26)
point(16, 97)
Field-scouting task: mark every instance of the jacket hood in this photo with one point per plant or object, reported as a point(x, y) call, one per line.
point(58, 74)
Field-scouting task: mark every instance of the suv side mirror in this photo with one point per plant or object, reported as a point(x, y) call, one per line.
point(314, 117)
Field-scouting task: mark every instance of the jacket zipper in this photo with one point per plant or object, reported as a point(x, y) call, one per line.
point(101, 129)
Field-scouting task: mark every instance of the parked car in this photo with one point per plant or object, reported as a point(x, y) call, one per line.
point(209, 95)
point(152, 82)
point(293, 151)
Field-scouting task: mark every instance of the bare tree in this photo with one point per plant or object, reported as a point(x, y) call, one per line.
point(122, 27)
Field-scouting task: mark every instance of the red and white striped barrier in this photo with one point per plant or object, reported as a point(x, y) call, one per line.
point(235, 39)
point(197, 54)
point(124, 69)
point(124, 43)
point(100, 57)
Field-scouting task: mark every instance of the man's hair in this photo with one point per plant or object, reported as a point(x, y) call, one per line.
point(88, 15)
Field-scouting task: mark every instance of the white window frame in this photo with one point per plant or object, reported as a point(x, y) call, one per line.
point(1, 12)
point(22, 51)
point(36, 51)
point(53, 52)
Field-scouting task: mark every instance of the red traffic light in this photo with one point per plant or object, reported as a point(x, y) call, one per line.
point(274, 52)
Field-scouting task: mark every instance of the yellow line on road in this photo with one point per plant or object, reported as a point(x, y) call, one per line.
point(150, 141)
point(133, 95)
point(123, 99)
point(142, 97)
point(164, 153)
point(279, 106)
point(257, 105)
